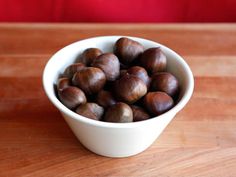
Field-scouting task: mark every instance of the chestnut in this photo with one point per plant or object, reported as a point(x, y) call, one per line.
point(122, 66)
point(139, 113)
point(141, 73)
point(129, 88)
point(89, 55)
point(109, 86)
point(117, 87)
point(91, 80)
point(119, 112)
point(165, 82)
point(122, 72)
point(72, 69)
point(158, 102)
point(109, 64)
point(127, 50)
point(72, 97)
point(90, 110)
point(63, 83)
point(153, 60)
point(105, 98)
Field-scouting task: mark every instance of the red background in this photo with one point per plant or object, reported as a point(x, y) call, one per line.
point(118, 11)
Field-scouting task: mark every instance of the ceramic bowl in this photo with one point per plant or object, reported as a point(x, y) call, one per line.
point(115, 139)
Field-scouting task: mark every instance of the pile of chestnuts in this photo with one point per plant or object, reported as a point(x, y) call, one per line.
point(128, 85)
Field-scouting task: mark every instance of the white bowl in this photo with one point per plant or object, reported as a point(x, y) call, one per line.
point(115, 139)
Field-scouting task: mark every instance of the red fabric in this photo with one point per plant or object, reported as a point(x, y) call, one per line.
point(118, 11)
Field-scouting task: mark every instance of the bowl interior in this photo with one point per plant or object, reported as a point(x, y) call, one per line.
point(66, 56)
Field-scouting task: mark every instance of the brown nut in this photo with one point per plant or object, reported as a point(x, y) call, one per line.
point(153, 60)
point(110, 65)
point(119, 112)
point(141, 73)
point(72, 97)
point(122, 66)
point(72, 69)
point(91, 80)
point(129, 88)
point(90, 110)
point(165, 82)
point(127, 50)
point(89, 55)
point(139, 113)
point(63, 83)
point(105, 98)
point(109, 86)
point(123, 72)
point(158, 102)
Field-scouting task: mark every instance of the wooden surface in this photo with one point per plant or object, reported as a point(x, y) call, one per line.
point(36, 141)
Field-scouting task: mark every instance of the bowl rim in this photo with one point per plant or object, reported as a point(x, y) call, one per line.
point(63, 109)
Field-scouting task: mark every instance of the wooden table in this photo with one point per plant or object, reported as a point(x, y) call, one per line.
point(36, 141)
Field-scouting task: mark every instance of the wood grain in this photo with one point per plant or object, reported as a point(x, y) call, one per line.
point(36, 141)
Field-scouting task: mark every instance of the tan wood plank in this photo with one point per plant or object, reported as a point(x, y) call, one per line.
point(157, 161)
point(213, 66)
point(185, 39)
point(214, 93)
point(32, 65)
